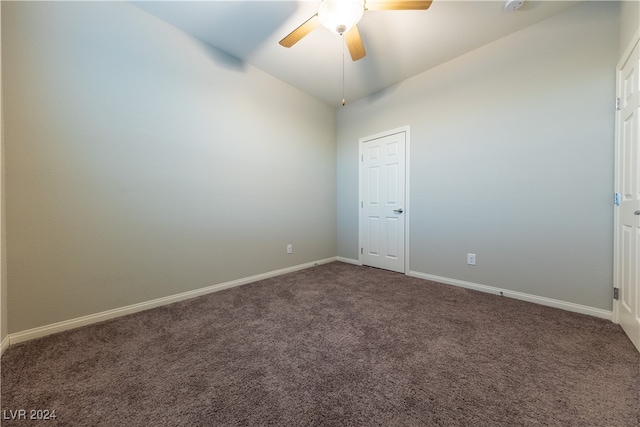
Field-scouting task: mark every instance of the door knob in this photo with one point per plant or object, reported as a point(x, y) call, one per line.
point(400, 211)
point(636, 213)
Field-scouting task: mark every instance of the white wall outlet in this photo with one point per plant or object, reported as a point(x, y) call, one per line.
point(289, 248)
point(471, 259)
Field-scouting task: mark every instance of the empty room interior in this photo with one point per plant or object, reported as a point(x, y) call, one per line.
point(177, 185)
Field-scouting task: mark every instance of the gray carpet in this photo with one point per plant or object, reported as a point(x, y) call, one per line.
point(334, 345)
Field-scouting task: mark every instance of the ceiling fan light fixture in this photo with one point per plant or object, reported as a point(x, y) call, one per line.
point(339, 16)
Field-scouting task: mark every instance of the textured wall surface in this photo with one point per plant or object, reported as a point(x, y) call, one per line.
point(512, 151)
point(629, 23)
point(4, 331)
point(142, 163)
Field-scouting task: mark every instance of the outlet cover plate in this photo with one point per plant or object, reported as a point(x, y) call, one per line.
point(471, 259)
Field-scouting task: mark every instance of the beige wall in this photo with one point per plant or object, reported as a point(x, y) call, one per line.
point(511, 158)
point(3, 252)
point(142, 163)
point(629, 23)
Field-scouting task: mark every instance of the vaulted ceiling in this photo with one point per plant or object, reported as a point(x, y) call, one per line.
point(399, 44)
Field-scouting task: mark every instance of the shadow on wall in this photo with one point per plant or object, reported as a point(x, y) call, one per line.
point(220, 57)
point(380, 94)
point(215, 25)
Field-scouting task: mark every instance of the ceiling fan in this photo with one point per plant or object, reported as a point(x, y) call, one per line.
point(342, 17)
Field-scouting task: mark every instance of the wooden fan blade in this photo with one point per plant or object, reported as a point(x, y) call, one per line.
point(397, 4)
point(296, 35)
point(354, 43)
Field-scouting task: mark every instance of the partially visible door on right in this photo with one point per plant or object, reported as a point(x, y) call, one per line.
point(627, 229)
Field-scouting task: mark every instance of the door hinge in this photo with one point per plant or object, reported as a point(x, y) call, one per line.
point(618, 104)
point(361, 251)
point(362, 157)
point(616, 198)
point(616, 293)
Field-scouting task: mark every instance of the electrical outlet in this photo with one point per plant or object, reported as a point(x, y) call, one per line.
point(471, 259)
point(289, 248)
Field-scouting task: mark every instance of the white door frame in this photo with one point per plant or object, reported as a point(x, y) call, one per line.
point(616, 251)
point(407, 174)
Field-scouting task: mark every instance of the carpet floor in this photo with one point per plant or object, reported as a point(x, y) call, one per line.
point(333, 345)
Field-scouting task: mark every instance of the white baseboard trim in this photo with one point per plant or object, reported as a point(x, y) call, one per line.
point(569, 306)
point(348, 260)
point(4, 345)
point(43, 331)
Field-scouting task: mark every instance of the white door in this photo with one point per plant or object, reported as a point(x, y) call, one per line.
point(383, 200)
point(627, 221)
